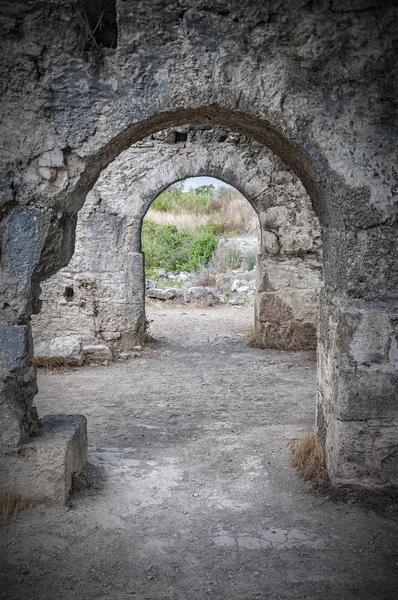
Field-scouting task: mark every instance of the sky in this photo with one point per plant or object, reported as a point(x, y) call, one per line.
point(195, 182)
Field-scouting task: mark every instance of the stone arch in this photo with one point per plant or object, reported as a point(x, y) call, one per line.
point(340, 228)
point(289, 263)
point(259, 131)
point(267, 72)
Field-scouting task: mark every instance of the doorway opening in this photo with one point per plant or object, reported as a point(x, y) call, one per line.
point(200, 239)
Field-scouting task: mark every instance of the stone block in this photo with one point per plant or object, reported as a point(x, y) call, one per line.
point(52, 158)
point(164, 294)
point(97, 353)
point(362, 451)
point(111, 336)
point(67, 347)
point(291, 274)
point(200, 293)
point(41, 470)
point(365, 393)
point(15, 347)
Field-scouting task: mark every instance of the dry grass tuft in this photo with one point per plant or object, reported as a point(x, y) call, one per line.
point(11, 505)
point(253, 338)
point(238, 213)
point(207, 279)
point(308, 458)
point(56, 363)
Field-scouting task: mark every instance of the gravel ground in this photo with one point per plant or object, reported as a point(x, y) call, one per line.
point(195, 496)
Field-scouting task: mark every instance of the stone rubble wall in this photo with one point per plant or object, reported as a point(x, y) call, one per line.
point(100, 295)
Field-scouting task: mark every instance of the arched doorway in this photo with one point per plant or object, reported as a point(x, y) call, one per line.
point(106, 311)
point(340, 277)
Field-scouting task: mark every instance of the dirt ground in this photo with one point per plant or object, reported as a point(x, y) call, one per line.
point(197, 498)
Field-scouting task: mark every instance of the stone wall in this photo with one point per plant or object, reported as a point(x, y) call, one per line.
point(315, 83)
point(99, 297)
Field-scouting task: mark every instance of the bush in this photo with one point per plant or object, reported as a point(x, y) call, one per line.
point(226, 258)
point(216, 228)
point(165, 246)
point(173, 249)
point(249, 260)
point(174, 199)
point(200, 251)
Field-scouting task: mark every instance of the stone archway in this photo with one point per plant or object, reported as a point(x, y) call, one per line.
point(266, 73)
point(336, 433)
point(97, 303)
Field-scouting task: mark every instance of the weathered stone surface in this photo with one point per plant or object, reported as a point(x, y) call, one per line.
point(200, 293)
point(164, 293)
point(287, 319)
point(17, 385)
point(41, 469)
point(97, 353)
point(107, 291)
point(266, 73)
point(360, 431)
point(69, 347)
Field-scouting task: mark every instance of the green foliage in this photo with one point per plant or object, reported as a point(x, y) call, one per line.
point(174, 199)
point(165, 246)
point(249, 260)
point(173, 249)
point(186, 226)
point(205, 190)
point(200, 251)
point(217, 229)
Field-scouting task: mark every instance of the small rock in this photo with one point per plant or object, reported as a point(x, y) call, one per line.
point(235, 285)
point(243, 289)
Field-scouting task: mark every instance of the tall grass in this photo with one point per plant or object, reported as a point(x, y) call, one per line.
point(187, 220)
point(234, 209)
point(226, 258)
point(219, 212)
point(308, 458)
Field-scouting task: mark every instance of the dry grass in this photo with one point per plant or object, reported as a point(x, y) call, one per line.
point(11, 505)
point(56, 363)
point(308, 458)
point(235, 210)
point(190, 221)
point(207, 279)
point(253, 338)
point(232, 210)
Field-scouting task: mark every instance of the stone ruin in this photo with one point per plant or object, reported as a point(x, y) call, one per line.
point(95, 307)
point(311, 84)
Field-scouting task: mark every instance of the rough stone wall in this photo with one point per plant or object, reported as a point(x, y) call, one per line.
point(314, 82)
point(99, 296)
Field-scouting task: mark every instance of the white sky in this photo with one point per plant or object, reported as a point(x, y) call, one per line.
point(195, 182)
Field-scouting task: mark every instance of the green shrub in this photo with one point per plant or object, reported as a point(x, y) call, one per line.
point(200, 251)
point(249, 260)
point(173, 249)
point(174, 199)
point(216, 228)
point(165, 246)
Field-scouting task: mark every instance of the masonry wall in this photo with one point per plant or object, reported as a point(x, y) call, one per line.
point(314, 82)
point(95, 306)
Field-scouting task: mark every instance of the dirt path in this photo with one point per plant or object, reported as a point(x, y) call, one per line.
point(198, 498)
